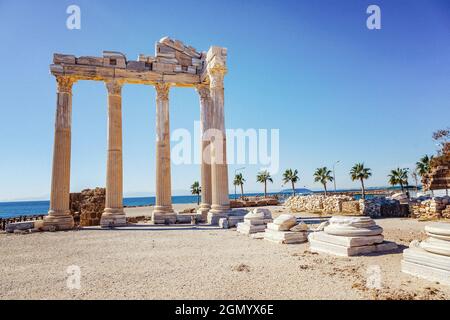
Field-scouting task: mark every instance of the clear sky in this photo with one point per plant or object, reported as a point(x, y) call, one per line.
point(312, 69)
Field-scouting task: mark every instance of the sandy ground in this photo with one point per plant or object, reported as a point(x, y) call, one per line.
point(200, 262)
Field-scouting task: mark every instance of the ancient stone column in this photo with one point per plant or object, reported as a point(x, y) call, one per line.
point(163, 212)
point(205, 156)
point(220, 206)
point(114, 214)
point(59, 216)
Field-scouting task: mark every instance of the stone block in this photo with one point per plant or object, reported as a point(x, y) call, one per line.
point(25, 225)
point(64, 58)
point(248, 229)
point(234, 220)
point(285, 237)
point(162, 67)
point(136, 65)
point(348, 241)
point(90, 61)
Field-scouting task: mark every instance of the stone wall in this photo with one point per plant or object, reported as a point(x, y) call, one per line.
point(87, 206)
point(425, 208)
point(341, 204)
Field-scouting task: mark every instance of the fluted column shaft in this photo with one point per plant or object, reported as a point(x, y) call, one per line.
point(114, 214)
point(163, 212)
point(219, 168)
point(205, 157)
point(59, 215)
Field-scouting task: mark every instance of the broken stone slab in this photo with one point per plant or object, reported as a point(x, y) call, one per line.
point(234, 220)
point(24, 225)
point(316, 245)
point(285, 237)
point(301, 227)
point(285, 221)
point(90, 61)
point(348, 241)
point(248, 229)
point(64, 58)
point(352, 226)
point(166, 60)
point(267, 213)
point(137, 65)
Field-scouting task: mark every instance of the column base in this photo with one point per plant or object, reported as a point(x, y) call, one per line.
point(218, 212)
point(58, 220)
point(113, 218)
point(164, 215)
point(203, 211)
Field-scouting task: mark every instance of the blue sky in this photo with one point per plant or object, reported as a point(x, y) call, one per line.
point(336, 90)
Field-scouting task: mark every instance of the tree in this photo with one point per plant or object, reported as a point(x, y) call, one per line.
point(323, 175)
point(239, 181)
point(423, 166)
point(292, 177)
point(442, 138)
point(196, 189)
point(263, 177)
point(359, 172)
point(399, 176)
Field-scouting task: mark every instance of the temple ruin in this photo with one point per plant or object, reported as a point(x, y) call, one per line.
point(174, 65)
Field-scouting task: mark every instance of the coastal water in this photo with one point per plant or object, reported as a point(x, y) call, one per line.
point(24, 208)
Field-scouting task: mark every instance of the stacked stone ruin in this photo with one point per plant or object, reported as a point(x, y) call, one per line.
point(88, 206)
point(425, 208)
point(346, 205)
point(430, 259)
point(350, 236)
point(255, 221)
point(285, 230)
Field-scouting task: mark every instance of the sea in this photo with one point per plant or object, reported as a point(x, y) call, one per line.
point(25, 208)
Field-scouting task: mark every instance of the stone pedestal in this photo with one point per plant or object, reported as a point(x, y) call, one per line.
point(350, 236)
point(59, 217)
point(114, 214)
point(254, 222)
point(163, 212)
point(430, 259)
point(285, 230)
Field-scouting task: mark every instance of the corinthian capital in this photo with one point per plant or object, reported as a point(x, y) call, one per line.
point(216, 75)
point(65, 84)
point(162, 91)
point(203, 91)
point(114, 87)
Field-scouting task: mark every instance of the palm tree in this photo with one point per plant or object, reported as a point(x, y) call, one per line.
point(239, 181)
point(323, 175)
point(263, 177)
point(292, 177)
point(399, 176)
point(423, 165)
point(196, 189)
point(359, 172)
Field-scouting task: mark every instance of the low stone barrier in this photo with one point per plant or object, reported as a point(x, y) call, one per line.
point(425, 208)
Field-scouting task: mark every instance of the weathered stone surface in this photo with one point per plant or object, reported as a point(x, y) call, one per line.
point(348, 241)
point(285, 221)
point(285, 237)
point(267, 213)
point(26, 225)
point(316, 245)
point(245, 228)
point(301, 227)
point(352, 227)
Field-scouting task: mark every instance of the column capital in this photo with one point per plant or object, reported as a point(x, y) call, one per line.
point(65, 83)
point(162, 91)
point(203, 91)
point(114, 87)
point(216, 75)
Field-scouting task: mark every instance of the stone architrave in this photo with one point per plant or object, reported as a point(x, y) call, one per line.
point(59, 216)
point(163, 212)
point(114, 214)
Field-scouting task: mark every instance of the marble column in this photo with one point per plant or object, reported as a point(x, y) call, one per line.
point(205, 156)
point(163, 212)
point(114, 214)
point(59, 216)
point(220, 206)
